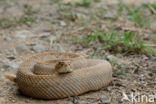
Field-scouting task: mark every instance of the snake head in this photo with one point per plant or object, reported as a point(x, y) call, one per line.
point(63, 67)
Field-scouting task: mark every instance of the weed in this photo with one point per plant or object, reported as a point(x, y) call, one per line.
point(120, 73)
point(66, 12)
point(137, 15)
point(24, 20)
point(28, 10)
point(151, 7)
point(69, 16)
point(6, 23)
point(28, 17)
point(27, 20)
point(121, 7)
point(118, 66)
point(54, 1)
point(84, 3)
point(128, 42)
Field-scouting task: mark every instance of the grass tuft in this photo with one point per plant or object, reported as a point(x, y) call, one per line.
point(137, 15)
point(27, 20)
point(6, 23)
point(151, 7)
point(127, 43)
point(84, 3)
point(120, 72)
point(28, 10)
point(24, 20)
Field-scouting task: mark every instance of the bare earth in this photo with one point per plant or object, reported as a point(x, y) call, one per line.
point(53, 29)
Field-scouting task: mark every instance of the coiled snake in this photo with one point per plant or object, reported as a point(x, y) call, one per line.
point(52, 75)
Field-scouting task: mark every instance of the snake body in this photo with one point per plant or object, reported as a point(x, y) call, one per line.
point(87, 75)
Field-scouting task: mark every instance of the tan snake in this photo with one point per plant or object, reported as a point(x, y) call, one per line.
point(52, 75)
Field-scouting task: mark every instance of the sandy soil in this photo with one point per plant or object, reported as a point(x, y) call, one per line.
point(54, 22)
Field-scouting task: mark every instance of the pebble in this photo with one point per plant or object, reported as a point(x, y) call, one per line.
point(105, 99)
point(23, 34)
point(112, 58)
point(11, 65)
point(27, 100)
point(110, 15)
point(62, 23)
point(12, 100)
point(39, 48)
point(11, 57)
point(74, 100)
point(145, 57)
point(57, 47)
point(44, 35)
point(7, 38)
point(22, 48)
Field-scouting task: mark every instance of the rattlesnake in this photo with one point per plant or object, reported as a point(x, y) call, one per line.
point(52, 75)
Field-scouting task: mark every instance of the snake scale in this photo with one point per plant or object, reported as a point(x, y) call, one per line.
point(53, 75)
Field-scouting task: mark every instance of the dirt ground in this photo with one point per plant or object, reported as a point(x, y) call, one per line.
point(31, 26)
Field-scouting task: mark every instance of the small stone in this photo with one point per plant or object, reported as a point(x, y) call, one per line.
point(39, 48)
point(23, 34)
point(74, 100)
point(7, 38)
point(145, 57)
point(44, 35)
point(62, 23)
point(57, 47)
point(112, 58)
point(105, 99)
point(22, 48)
point(11, 57)
point(27, 101)
point(12, 100)
point(110, 15)
point(11, 65)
